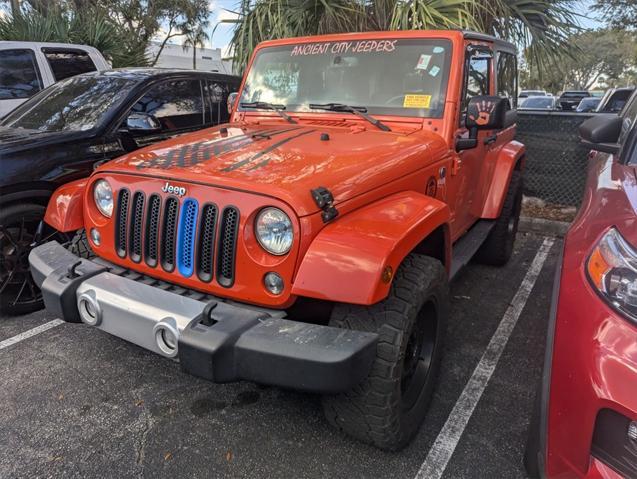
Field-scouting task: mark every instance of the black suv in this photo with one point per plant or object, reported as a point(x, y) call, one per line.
point(63, 132)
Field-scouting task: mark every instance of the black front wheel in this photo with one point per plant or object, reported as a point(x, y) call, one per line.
point(18, 234)
point(389, 406)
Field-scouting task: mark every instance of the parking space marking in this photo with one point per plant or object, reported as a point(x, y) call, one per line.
point(440, 453)
point(30, 333)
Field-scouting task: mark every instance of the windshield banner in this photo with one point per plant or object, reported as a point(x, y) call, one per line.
point(362, 46)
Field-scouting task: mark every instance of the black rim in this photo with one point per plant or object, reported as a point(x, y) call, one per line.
point(17, 238)
point(419, 355)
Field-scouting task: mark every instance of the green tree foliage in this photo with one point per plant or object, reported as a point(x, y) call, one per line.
point(606, 57)
point(120, 29)
point(620, 14)
point(541, 26)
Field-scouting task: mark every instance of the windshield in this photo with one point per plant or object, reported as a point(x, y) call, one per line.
point(537, 102)
point(76, 104)
point(391, 77)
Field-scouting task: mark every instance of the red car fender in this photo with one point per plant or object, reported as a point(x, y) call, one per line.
point(65, 209)
point(348, 260)
point(508, 157)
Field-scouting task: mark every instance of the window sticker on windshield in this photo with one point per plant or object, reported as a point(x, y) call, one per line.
point(439, 49)
point(423, 62)
point(416, 101)
point(434, 71)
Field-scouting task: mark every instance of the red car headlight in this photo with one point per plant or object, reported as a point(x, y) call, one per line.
point(612, 269)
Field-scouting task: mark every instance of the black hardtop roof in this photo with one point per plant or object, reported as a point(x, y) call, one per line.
point(499, 43)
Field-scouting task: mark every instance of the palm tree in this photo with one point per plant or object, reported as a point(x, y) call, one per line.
point(541, 26)
point(195, 37)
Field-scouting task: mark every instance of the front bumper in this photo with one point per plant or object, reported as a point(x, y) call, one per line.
point(218, 341)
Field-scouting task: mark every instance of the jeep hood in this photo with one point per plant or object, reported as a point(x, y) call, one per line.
point(286, 161)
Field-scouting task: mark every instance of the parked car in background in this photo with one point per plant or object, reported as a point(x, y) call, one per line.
point(615, 99)
point(528, 93)
point(28, 67)
point(585, 423)
point(64, 131)
point(538, 103)
point(569, 100)
point(588, 104)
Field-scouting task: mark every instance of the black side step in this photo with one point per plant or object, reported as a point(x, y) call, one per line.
point(467, 245)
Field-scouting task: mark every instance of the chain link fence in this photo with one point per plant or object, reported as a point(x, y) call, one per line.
point(555, 160)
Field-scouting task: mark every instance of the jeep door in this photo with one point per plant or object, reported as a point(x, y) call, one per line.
point(464, 178)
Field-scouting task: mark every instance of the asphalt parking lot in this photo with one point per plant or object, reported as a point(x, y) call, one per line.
point(76, 402)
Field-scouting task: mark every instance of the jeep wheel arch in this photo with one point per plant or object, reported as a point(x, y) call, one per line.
point(510, 158)
point(353, 259)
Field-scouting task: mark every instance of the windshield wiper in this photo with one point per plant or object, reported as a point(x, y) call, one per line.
point(356, 110)
point(263, 105)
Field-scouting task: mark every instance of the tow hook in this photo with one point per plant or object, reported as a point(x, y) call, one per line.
point(325, 201)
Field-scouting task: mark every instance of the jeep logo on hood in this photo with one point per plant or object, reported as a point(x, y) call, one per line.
point(174, 190)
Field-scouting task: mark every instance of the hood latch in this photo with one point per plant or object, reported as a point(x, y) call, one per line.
point(325, 201)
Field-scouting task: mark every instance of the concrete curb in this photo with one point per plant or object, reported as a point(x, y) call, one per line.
point(546, 227)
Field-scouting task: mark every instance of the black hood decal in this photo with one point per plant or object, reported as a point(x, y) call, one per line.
point(194, 153)
point(267, 150)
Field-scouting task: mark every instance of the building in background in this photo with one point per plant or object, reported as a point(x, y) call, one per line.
point(175, 56)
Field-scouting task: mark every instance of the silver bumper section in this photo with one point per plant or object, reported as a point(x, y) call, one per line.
point(215, 340)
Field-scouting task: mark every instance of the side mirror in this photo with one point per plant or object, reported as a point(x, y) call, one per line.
point(484, 113)
point(142, 123)
point(232, 99)
point(601, 132)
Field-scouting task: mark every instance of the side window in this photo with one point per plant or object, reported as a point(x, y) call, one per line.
point(477, 78)
point(507, 77)
point(217, 94)
point(67, 63)
point(629, 116)
point(19, 74)
point(176, 104)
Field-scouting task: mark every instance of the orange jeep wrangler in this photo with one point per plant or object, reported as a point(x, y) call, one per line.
point(308, 243)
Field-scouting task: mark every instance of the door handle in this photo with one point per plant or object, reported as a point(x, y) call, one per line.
point(490, 139)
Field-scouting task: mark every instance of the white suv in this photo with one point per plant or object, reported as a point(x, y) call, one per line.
point(28, 67)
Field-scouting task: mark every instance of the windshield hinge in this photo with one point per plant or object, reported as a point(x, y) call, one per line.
point(325, 201)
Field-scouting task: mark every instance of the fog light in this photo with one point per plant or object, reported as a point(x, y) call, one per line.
point(95, 237)
point(273, 283)
point(632, 431)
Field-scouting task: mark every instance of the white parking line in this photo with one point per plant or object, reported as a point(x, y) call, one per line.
point(447, 440)
point(30, 333)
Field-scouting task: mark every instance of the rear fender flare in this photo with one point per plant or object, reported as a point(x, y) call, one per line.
point(346, 260)
point(65, 209)
point(510, 158)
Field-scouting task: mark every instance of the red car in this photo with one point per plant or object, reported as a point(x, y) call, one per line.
point(585, 423)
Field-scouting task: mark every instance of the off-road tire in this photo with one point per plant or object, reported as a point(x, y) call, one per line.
point(498, 247)
point(375, 411)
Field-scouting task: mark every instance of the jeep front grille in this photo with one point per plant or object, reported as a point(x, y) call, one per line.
point(178, 235)
point(168, 235)
point(186, 237)
point(207, 230)
point(121, 222)
point(227, 246)
point(137, 211)
point(152, 230)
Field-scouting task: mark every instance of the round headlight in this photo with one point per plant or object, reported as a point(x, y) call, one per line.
point(103, 195)
point(274, 231)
